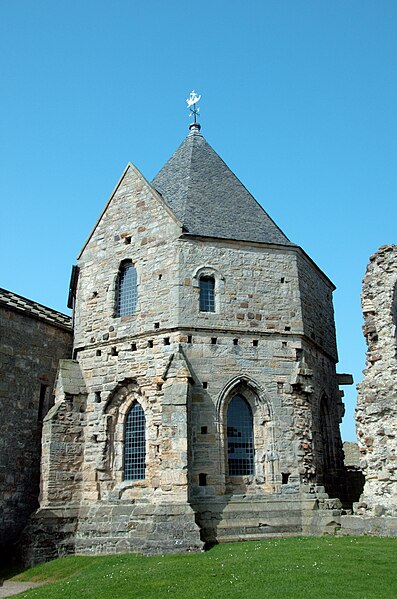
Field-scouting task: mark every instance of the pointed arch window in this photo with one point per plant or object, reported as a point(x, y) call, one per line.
point(126, 289)
point(240, 437)
point(135, 443)
point(207, 294)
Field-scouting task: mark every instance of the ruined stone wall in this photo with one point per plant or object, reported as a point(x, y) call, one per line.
point(29, 352)
point(376, 414)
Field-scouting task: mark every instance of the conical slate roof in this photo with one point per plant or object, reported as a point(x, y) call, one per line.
point(209, 200)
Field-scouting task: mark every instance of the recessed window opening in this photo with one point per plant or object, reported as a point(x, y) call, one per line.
point(127, 240)
point(205, 385)
point(160, 276)
point(240, 438)
point(214, 340)
point(204, 430)
point(114, 352)
point(42, 402)
point(280, 387)
point(202, 479)
point(156, 325)
point(287, 328)
point(126, 289)
point(97, 397)
point(207, 294)
point(282, 280)
point(283, 344)
point(133, 347)
point(135, 443)
point(159, 386)
point(235, 341)
point(255, 342)
point(189, 339)
point(150, 343)
point(284, 478)
point(166, 341)
point(98, 352)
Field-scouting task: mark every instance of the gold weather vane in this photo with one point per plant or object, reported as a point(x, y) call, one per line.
point(191, 102)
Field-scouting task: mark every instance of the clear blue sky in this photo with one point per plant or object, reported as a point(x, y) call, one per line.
point(299, 99)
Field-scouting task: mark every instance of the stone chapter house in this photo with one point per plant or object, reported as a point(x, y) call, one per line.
point(202, 400)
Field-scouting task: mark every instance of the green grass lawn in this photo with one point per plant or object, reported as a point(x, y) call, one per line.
point(312, 567)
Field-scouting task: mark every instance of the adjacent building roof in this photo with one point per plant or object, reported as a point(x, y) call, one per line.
point(209, 199)
point(33, 309)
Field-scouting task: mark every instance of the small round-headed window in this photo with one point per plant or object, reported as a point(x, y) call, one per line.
point(240, 437)
point(135, 443)
point(207, 294)
point(126, 289)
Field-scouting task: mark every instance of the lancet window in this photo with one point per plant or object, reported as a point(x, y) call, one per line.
point(207, 294)
point(240, 437)
point(135, 443)
point(126, 289)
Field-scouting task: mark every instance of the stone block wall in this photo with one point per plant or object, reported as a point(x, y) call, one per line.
point(30, 348)
point(183, 367)
point(376, 414)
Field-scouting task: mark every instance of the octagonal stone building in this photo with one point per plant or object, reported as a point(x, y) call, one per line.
point(202, 401)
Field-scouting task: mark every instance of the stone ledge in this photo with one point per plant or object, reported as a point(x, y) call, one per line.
point(382, 526)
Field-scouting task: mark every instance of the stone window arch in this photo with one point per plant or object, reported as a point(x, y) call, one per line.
point(210, 285)
point(126, 291)
point(240, 437)
point(135, 443)
point(128, 460)
point(263, 470)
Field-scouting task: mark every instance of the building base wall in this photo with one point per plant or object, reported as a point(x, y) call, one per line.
point(377, 526)
point(110, 528)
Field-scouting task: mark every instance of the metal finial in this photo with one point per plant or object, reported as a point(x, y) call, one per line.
point(194, 110)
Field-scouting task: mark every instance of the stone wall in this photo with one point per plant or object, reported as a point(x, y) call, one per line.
point(31, 345)
point(266, 340)
point(376, 414)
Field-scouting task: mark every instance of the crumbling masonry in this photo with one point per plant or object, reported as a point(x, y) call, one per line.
point(376, 414)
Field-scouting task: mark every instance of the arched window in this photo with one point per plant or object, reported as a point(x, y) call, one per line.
point(240, 438)
point(207, 294)
point(126, 289)
point(135, 443)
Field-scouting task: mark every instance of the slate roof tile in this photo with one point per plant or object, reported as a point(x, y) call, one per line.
point(208, 198)
point(31, 308)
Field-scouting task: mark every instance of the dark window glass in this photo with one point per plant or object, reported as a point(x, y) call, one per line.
point(207, 294)
point(126, 290)
point(135, 444)
point(240, 438)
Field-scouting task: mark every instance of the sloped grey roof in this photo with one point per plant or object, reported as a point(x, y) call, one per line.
point(209, 199)
point(33, 309)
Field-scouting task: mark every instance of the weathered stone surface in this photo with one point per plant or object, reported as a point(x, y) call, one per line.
point(33, 339)
point(376, 414)
point(270, 338)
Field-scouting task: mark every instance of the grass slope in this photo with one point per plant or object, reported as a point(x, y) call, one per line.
point(307, 568)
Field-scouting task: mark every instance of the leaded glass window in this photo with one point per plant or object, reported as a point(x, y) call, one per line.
point(240, 438)
point(135, 443)
point(126, 290)
point(207, 294)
